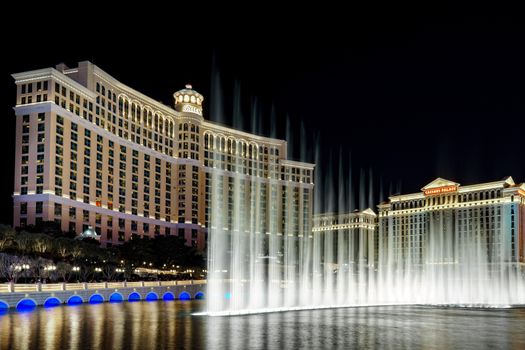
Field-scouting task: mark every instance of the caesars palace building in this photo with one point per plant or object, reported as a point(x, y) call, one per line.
point(93, 152)
point(435, 226)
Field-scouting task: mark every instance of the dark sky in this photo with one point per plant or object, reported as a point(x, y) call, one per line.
point(412, 98)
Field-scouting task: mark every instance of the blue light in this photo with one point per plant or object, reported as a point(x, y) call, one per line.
point(168, 296)
point(4, 307)
point(228, 295)
point(134, 297)
point(152, 296)
point(52, 302)
point(26, 305)
point(96, 299)
point(75, 300)
point(199, 296)
point(115, 298)
point(184, 296)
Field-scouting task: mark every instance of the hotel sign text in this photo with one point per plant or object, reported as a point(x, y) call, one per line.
point(439, 190)
point(191, 109)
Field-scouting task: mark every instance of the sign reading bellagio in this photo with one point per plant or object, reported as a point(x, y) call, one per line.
point(192, 109)
point(440, 190)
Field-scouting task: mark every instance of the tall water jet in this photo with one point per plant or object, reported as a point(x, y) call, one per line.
point(448, 244)
point(351, 197)
point(371, 201)
point(362, 190)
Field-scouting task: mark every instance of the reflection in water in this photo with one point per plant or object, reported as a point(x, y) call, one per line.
point(171, 325)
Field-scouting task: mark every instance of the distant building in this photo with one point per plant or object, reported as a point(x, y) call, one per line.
point(448, 216)
point(91, 151)
point(352, 234)
point(434, 225)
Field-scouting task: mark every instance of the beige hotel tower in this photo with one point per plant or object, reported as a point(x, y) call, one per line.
point(91, 151)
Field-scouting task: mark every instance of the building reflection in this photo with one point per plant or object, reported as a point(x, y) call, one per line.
point(172, 325)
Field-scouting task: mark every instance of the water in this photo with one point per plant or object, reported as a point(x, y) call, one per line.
point(259, 260)
point(171, 325)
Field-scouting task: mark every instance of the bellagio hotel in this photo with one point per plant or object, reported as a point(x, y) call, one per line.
point(91, 151)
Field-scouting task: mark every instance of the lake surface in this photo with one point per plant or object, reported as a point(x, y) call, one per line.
point(171, 325)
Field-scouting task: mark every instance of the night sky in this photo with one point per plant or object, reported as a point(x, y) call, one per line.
point(412, 100)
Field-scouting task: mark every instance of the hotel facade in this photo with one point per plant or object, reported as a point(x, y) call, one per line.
point(435, 226)
point(93, 152)
point(353, 236)
point(453, 219)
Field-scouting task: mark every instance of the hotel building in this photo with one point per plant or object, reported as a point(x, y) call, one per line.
point(452, 218)
point(353, 235)
point(444, 217)
point(91, 151)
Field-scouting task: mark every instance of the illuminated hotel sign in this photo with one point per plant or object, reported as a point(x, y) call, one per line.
point(191, 109)
point(440, 190)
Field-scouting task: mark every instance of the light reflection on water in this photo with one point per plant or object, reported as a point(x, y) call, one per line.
point(170, 325)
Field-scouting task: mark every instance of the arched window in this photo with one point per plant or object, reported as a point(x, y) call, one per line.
point(120, 106)
point(126, 109)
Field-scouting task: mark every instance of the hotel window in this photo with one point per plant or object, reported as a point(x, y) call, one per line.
point(23, 208)
point(58, 209)
point(39, 207)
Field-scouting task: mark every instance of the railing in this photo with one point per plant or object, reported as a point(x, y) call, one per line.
point(53, 287)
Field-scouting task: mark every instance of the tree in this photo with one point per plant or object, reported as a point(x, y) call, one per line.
point(23, 241)
point(38, 265)
point(50, 228)
point(64, 271)
point(7, 236)
point(86, 271)
point(62, 247)
point(41, 243)
point(108, 271)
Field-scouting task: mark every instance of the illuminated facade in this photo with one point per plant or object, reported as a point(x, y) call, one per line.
point(353, 235)
point(91, 151)
point(443, 215)
point(450, 216)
